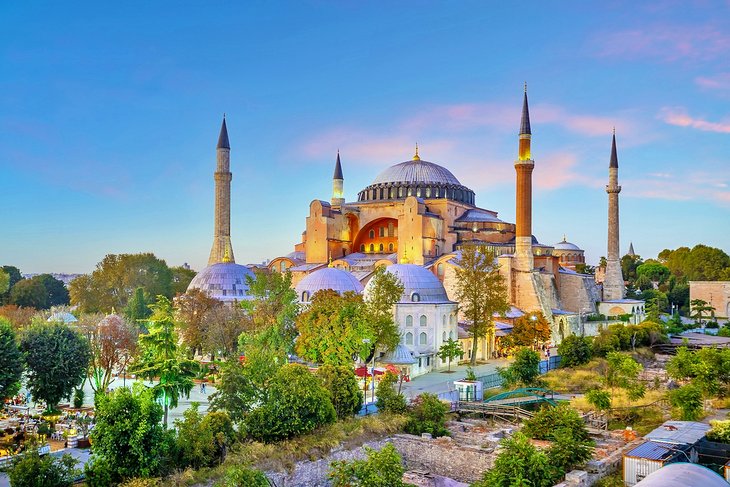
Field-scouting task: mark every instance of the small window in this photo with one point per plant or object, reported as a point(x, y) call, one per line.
point(372, 247)
point(428, 361)
point(305, 296)
point(362, 247)
point(439, 268)
point(381, 247)
point(415, 297)
point(443, 337)
point(451, 335)
point(371, 234)
point(409, 338)
point(452, 319)
point(422, 339)
point(423, 320)
point(409, 320)
point(390, 247)
point(381, 231)
point(443, 321)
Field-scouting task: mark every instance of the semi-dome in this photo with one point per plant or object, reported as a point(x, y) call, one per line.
point(420, 284)
point(333, 278)
point(418, 178)
point(565, 245)
point(417, 171)
point(224, 281)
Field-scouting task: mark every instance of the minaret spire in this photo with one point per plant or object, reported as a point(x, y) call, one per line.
point(523, 166)
point(338, 183)
point(613, 284)
point(416, 157)
point(222, 250)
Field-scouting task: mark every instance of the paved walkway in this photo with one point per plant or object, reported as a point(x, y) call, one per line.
point(438, 382)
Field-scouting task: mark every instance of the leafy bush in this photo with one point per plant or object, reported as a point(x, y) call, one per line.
point(688, 400)
point(296, 404)
point(720, 431)
point(599, 399)
point(519, 463)
point(548, 420)
point(427, 415)
point(524, 370)
point(380, 469)
point(575, 350)
point(238, 476)
point(195, 443)
point(567, 451)
point(33, 470)
point(620, 337)
point(343, 388)
point(389, 400)
point(79, 397)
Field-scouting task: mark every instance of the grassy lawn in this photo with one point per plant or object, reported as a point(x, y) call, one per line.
point(576, 379)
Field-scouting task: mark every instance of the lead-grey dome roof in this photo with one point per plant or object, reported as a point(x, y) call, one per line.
point(328, 278)
point(565, 245)
point(417, 171)
point(224, 281)
point(420, 284)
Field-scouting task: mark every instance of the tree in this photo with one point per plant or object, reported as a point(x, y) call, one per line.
point(623, 371)
point(128, 439)
point(688, 399)
point(449, 351)
point(195, 443)
point(117, 277)
point(29, 293)
point(524, 370)
point(529, 331)
point(549, 420)
point(181, 277)
point(699, 307)
point(519, 464)
point(160, 357)
point(33, 470)
point(388, 399)
point(334, 329)
point(384, 292)
point(575, 350)
point(380, 469)
point(4, 282)
point(14, 276)
point(113, 343)
point(138, 306)
point(11, 361)
point(56, 359)
point(567, 451)
point(296, 404)
point(343, 388)
point(56, 292)
point(224, 325)
point(427, 414)
point(481, 292)
point(599, 399)
point(190, 311)
point(654, 271)
point(701, 263)
point(707, 368)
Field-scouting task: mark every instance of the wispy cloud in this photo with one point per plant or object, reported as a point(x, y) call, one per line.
point(697, 186)
point(719, 82)
point(678, 116)
point(666, 42)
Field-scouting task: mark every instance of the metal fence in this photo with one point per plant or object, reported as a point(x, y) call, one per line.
point(492, 381)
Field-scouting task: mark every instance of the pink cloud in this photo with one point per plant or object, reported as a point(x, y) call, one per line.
point(679, 117)
point(666, 42)
point(699, 186)
point(719, 81)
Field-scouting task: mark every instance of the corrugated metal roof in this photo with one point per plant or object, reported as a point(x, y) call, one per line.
point(679, 432)
point(653, 451)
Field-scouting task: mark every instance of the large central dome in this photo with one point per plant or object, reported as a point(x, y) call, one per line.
point(417, 171)
point(418, 178)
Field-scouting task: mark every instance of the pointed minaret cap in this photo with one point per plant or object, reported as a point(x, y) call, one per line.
point(416, 157)
point(338, 168)
point(631, 249)
point(525, 124)
point(223, 137)
point(614, 157)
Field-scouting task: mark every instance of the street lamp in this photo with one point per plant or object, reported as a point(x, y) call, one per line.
point(372, 378)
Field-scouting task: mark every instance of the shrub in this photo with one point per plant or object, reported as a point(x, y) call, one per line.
point(519, 463)
point(32, 470)
point(548, 420)
point(389, 400)
point(568, 451)
point(688, 400)
point(524, 370)
point(238, 476)
point(343, 388)
point(79, 397)
point(599, 399)
point(381, 468)
point(719, 432)
point(575, 350)
point(427, 415)
point(296, 404)
point(195, 442)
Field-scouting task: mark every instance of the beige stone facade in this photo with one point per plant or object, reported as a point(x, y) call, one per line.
point(716, 293)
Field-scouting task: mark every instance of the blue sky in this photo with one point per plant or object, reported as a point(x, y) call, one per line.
point(109, 115)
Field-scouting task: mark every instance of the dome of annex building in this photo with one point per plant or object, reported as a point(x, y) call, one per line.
point(419, 178)
point(565, 245)
point(224, 281)
point(333, 278)
point(420, 284)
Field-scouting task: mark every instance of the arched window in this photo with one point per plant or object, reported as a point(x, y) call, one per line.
point(390, 247)
point(443, 321)
point(305, 296)
point(415, 297)
point(381, 247)
point(362, 247)
point(423, 320)
point(372, 247)
point(440, 269)
point(443, 336)
point(282, 266)
point(381, 231)
point(409, 338)
point(372, 233)
point(452, 319)
point(451, 334)
point(409, 320)
point(422, 339)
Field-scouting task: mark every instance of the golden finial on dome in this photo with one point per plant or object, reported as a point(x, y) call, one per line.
point(415, 157)
point(226, 256)
point(565, 239)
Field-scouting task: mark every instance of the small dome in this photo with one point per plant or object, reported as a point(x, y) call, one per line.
point(565, 245)
point(420, 284)
point(63, 317)
point(327, 278)
point(224, 281)
point(417, 171)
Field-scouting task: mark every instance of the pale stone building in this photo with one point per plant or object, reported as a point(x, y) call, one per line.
point(715, 293)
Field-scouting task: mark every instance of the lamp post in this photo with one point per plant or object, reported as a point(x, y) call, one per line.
point(372, 379)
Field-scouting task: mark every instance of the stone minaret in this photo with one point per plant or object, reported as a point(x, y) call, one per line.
point(524, 166)
point(222, 250)
point(613, 284)
point(338, 181)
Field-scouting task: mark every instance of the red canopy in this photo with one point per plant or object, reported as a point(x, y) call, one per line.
point(364, 372)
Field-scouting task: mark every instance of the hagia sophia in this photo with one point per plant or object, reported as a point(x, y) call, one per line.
point(414, 218)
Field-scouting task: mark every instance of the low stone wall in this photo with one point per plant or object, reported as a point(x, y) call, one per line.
point(442, 455)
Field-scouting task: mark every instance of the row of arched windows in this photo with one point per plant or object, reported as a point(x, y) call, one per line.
point(397, 192)
point(423, 337)
point(379, 248)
